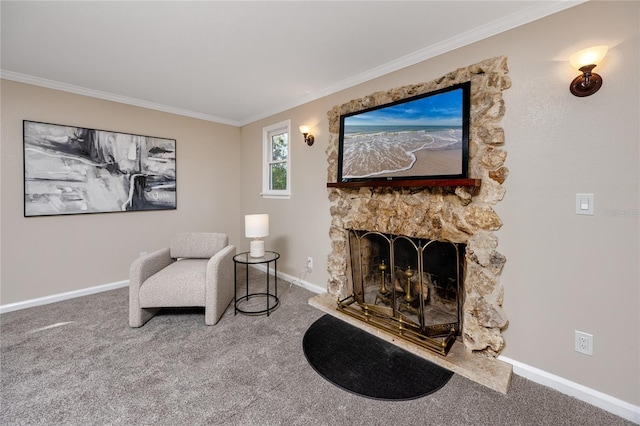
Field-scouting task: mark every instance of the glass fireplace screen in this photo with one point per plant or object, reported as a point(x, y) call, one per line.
point(411, 287)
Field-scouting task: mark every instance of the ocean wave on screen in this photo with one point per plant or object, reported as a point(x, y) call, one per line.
point(374, 154)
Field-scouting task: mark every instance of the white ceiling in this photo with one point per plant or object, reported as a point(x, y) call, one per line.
point(235, 62)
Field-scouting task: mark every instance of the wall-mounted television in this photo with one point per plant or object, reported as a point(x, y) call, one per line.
point(421, 137)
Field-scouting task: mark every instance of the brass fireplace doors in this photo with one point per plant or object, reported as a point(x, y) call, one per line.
point(411, 287)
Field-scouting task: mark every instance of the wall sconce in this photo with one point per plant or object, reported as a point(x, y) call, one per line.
point(585, 61)
point(308, 139)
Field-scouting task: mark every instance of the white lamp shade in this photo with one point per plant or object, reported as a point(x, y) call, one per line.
point(590, 56)
point(256, 225)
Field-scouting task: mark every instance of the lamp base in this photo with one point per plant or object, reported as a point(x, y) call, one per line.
point(256, 248)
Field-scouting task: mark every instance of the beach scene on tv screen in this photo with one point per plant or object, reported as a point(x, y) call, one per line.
point(422, 137)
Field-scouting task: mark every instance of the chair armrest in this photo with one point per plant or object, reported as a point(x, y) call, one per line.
point(144, 267)
point(220, 285)
point(221, 264)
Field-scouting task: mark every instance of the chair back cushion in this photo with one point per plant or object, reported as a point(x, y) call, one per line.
point(198, 245)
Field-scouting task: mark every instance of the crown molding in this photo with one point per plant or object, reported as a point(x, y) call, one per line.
point(535, 12)
point(78, 90)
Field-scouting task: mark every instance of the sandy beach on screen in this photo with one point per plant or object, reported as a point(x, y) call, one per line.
point(430, 162)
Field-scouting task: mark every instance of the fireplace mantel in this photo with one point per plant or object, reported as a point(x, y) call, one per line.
point(406, 183)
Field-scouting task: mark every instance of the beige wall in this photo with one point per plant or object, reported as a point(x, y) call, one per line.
point(564, 272)
point(43, 256)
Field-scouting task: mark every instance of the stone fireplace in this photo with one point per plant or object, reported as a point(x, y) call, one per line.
point(458, 215)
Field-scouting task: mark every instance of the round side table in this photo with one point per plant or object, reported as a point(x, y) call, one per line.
point(272, 301)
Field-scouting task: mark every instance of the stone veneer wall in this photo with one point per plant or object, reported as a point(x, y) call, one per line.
point(460, 214)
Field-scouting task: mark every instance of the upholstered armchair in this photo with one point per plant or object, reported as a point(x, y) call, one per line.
point(195, 270)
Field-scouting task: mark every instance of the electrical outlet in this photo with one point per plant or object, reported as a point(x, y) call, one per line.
point(309, 263)
point(584, 343)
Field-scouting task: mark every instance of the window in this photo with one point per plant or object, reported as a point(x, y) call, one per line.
point(276, 176)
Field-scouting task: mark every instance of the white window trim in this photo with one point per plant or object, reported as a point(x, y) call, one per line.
point(266, 156)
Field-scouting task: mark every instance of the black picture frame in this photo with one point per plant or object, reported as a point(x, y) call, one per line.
point(77, 170)
point(421, 137)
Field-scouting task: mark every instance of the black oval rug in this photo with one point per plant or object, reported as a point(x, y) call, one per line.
point(366, 365)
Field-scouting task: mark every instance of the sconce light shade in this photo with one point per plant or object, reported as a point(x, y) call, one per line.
point(585, 61)
point(256, 226)
point(308, 139)
point(592, 55)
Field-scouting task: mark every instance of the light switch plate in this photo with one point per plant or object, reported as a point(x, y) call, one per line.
point(584, 204)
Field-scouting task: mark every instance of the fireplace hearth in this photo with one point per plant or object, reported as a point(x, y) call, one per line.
point(411, 287)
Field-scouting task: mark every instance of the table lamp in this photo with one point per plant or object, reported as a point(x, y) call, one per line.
point(256, 226)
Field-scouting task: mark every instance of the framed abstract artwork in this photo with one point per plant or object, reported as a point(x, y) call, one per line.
point(76, 170)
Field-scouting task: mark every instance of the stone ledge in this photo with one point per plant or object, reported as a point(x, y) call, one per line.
point(489, 372)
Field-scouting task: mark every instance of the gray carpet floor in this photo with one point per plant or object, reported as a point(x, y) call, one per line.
point(77, 362)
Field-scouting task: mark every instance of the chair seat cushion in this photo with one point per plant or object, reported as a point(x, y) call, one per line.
point(180, 284)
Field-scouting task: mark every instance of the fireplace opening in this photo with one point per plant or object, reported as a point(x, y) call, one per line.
point(411, 287)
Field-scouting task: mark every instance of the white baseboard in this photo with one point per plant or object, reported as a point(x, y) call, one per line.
point(106, 287)
point(61, 296)
point(601, 400)
point(297, 281)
